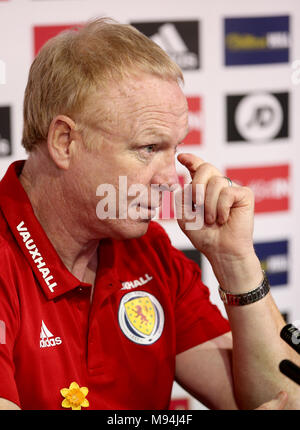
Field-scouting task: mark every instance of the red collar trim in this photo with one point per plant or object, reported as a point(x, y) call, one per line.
point(54, 278)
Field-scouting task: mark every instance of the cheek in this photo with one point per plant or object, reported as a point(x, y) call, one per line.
point(120, 170)
point(135, 172)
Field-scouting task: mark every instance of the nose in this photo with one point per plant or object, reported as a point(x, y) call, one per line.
point(166, 173)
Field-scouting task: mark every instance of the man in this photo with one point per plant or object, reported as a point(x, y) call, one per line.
point(102, 312)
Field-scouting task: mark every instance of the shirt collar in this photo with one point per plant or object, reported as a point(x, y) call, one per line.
point(54, 278)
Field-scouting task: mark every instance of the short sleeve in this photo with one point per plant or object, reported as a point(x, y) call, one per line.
point(9, 325)
point(197, 319)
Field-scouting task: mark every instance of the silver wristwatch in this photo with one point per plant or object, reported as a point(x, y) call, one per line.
point(246, 298)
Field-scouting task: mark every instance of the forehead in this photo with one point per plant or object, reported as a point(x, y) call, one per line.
point(143, 102)
point(150, 94)
point(145, 88)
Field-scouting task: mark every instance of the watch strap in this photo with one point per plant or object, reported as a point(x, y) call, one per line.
point(246, 298)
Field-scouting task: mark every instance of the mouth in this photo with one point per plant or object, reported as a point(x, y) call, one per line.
point(147, 211)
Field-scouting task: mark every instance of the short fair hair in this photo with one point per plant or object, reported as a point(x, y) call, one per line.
point(77, 62)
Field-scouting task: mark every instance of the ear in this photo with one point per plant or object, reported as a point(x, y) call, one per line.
point(60, 141)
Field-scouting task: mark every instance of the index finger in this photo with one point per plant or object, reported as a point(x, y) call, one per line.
point(190, 161)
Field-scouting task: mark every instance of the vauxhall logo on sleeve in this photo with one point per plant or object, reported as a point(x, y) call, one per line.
point(180, 39)
point(274, 258)
point(256, 40)
point(257, 117)
point(270, 184)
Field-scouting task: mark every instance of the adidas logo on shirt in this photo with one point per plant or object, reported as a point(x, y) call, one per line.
point(47, 339)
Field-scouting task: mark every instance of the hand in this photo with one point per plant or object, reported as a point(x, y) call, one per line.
point(226, 236)
point(278, 403)
point(228, 211)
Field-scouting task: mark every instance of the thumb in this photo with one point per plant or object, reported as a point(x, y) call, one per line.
point(278, 403)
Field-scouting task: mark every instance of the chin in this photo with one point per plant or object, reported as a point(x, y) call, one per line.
point(129, 229)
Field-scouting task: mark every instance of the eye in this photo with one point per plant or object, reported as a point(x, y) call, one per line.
point(146, 152)
point(149, 148)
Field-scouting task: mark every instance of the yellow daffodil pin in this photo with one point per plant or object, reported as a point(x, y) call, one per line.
point(74, 397)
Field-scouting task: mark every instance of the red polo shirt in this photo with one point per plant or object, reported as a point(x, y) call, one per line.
point(148, 305)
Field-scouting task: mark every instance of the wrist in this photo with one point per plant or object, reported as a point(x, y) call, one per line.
point(238, 275)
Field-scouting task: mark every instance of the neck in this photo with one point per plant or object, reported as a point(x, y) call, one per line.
point(59, 219)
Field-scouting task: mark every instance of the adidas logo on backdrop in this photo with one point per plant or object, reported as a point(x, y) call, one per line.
point(180, 39)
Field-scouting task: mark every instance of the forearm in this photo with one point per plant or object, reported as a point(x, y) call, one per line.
point(226, 239)
point(257, 352)
point(257, 346)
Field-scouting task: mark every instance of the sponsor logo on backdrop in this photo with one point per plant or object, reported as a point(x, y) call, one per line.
point(195, 121)
point(5, 132)
point(42, 33)
point(257, 117)
point(257, 40)
point(274, 258)
point(270, 184)
point(180, 39)
point(193, 254)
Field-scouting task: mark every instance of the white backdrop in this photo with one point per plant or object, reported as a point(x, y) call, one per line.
point(264, 132)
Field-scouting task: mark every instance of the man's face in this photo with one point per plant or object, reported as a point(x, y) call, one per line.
point(136, 136)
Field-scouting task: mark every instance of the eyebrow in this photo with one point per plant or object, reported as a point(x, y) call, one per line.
point(163, 137)
point(152, 132)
